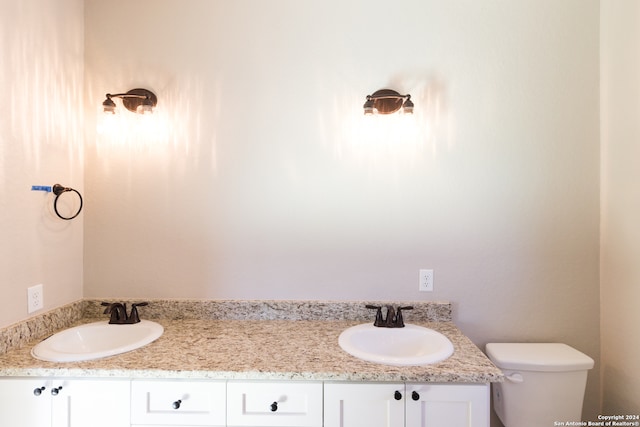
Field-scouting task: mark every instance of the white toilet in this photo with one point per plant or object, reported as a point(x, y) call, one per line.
point(544, 383)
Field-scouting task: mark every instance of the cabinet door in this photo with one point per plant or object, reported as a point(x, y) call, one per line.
point(95, 403)
point(64, 403)
point(364, 405)
point(451, 405)
point(274, 404)
point(177, 403)
point(25, 403)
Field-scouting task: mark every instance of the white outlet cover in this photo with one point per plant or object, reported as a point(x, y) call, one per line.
point(426, 280)
point(35, 298)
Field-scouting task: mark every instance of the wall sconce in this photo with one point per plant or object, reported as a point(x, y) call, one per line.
point(139, 101)
point(387, 101)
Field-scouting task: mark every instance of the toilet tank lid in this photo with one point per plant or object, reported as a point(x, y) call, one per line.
point(549, 357)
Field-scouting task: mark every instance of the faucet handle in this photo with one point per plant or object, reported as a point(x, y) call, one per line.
point(378, 321)
point(134, 317)
point(399, 321)
point(111, 307)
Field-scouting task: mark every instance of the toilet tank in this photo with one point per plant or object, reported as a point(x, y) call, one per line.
point(544, 383)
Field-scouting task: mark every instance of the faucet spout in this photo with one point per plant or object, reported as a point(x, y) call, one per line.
point(390, 320)
point(117, 312)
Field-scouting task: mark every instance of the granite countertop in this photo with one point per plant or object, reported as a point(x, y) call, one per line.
point(199, 348)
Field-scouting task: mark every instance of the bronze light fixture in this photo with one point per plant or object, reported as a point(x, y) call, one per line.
point(141, 101)
point(387, 101)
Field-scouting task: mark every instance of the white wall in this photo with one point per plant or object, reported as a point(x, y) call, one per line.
point(620, 104)
point(41, 138)
point(259, 178)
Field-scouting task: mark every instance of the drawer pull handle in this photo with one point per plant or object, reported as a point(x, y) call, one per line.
point(397, 395)
point(176, 404)
point(38, 391)
point(415, 395)
point(274, 406)
point(55, 390)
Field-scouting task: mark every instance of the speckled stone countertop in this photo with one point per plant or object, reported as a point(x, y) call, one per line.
point(263, 349)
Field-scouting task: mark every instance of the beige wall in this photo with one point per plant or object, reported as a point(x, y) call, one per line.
point(620, 275)
point(41, 139)
point(261, 179)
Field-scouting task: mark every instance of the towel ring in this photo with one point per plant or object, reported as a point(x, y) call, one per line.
point(58, 190)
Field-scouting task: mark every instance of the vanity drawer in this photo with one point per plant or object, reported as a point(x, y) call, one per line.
point(176, 402)
point(274, 404)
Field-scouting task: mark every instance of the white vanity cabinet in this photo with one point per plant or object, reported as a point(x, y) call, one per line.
point(45, 402)
point(25, 403)
point(410, 405)
point(451, 405)
point(274, 404)
point(178, 403)
point(363, 404)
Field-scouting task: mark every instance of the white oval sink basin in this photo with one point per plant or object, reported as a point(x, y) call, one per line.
point(412, 345)
point(96, 340)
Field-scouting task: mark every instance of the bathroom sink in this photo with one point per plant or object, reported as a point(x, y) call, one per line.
point(412, 345)
point(96, 340)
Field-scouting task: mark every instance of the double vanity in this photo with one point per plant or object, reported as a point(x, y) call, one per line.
point(252, 363)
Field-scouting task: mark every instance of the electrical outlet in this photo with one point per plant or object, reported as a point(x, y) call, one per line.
point(35, 298)
point(426, 281)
